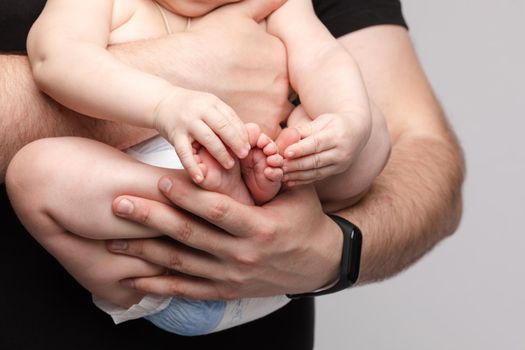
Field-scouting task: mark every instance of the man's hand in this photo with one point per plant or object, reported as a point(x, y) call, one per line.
point(286, 246)
point(229, 54)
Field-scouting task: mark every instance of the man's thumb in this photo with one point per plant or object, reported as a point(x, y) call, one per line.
point(260, 9)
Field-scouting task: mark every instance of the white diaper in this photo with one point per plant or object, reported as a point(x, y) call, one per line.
point(178, 315)
point(156, 151)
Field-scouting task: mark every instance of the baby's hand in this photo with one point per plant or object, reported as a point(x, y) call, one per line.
point(185, 116)
point(329, 144)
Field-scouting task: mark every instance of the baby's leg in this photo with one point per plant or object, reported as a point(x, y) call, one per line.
point(74, 181)
point(63, 185)
point(262, 168)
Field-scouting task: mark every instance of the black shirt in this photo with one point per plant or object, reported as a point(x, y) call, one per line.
point(41, 305)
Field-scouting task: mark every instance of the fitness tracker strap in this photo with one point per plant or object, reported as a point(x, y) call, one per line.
point(350, 259)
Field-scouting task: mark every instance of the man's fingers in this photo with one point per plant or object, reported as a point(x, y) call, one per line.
point(186, 154)
point(172, 222)
point(220, 210)
point(171, 255)
point(260, 9)
point(177, 286)
point(213, 144)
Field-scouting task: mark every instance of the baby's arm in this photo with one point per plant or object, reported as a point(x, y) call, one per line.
point(67, 50)
point(345, 189)
point(333, 95)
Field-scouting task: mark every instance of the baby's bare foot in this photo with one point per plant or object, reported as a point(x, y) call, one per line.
point(218, 179)
point(286, 138)
point(262, 168)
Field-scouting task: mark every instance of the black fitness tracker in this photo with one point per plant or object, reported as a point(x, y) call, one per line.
point(350, 259)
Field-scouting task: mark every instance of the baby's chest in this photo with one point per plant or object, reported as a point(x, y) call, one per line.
point(142, 19)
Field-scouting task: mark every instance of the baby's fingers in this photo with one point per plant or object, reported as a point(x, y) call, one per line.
point(313, 161)
point(315, 143)
point(230, 129)
point(186, 155)
point(209, 140)
point(308, 176)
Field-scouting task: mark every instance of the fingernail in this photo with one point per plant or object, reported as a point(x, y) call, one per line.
point(118, 244)
point(165, 184)
point(230, 163)
point(290, 153)
point(128, 283)
point(125, 207)
point(197, 178)
point(244, 152)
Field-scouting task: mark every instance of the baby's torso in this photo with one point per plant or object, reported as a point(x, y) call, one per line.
point(134, 20)
point(142, 19)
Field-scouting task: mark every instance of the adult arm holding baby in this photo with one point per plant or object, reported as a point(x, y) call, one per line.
point(265, 252)
point(412, 205)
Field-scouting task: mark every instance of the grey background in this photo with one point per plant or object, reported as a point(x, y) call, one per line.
point(469, 292)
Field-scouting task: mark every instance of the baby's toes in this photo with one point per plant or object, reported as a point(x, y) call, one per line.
point(200, 163)
point(271, 149)
point(274, 174)
point(263, 141)
point(276, 161)
point(254, 133)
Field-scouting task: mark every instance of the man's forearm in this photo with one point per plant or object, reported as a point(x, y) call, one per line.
point(416, 201)
point(27, 115)
point(413, 204)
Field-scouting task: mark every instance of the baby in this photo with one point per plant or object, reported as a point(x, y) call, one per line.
point(334, 139)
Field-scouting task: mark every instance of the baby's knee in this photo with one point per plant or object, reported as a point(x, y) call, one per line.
point(30, 172)
point(30, 164)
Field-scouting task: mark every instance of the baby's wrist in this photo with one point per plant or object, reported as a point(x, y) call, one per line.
point(166, 107)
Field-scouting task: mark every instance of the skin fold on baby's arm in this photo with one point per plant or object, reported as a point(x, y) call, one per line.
point(343, 138)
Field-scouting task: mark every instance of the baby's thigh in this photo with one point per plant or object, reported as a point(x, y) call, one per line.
point(75, 180)
point(62, 190)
